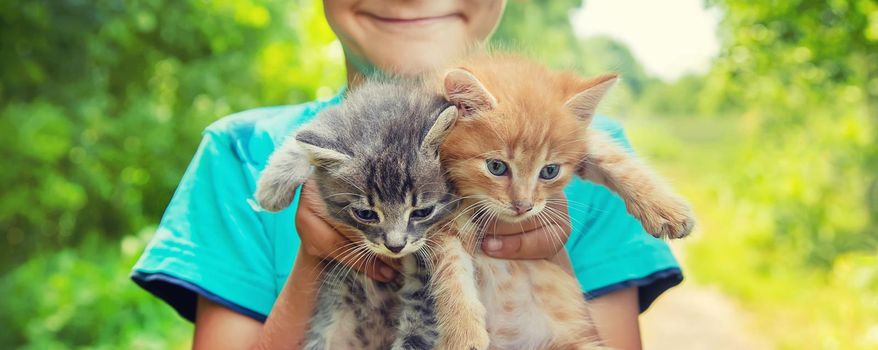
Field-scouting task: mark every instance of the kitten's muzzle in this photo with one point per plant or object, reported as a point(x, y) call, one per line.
point(522, 206)
point(395, 248)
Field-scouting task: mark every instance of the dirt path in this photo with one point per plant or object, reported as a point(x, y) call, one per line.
point(692, 316)
point(696, 317)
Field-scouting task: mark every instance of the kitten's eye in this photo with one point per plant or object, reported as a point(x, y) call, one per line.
point(550, 171)
point(497, 167)
point(365, 215)
point(422, 213)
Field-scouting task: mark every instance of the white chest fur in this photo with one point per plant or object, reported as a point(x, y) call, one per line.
point(531, 304)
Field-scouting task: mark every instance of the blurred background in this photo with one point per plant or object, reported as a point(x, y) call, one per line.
point(763, 113)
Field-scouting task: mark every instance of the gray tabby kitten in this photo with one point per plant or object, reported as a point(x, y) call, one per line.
point(377, 168)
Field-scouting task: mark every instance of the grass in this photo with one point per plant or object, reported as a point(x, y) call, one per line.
point(793, 304)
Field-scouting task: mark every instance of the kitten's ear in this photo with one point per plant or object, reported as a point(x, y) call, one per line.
point(584, 104)
point(290, 165)
point(287, 168)
point(438, 131)
point(319, 150)
point(467, 93)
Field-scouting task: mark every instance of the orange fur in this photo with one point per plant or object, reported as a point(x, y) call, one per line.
point(529, 127)
point(513, 110)
point(526, 123)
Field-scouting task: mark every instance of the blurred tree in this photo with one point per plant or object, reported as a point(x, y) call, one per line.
point(540, 27)
point(101, 102)
point(598, 55)
point(801, 45)
point(80, 298)
point(798, 236)
point(674, 99)
point(808, 70)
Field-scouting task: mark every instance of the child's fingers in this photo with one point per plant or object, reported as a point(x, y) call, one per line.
point(503, 228)
point(542, 243)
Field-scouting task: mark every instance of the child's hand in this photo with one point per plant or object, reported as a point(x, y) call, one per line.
point(532, 238)
point(321, 241)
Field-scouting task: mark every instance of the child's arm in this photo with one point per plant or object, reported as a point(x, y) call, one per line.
point(616, 317)
point(217, 327)
point(287, 324)
point(616, 314)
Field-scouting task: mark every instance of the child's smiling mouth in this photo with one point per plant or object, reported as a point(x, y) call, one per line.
point(408, 23)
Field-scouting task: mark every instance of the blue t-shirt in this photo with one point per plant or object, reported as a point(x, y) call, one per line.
point(213, 242)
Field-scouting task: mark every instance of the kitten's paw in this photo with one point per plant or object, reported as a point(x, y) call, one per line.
point(479, 341)
point(671, 218)
point(472, 339)
point(413, 342)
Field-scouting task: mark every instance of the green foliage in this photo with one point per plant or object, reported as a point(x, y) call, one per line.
point(102, 102)
point(782, 167)
point(678, 98)
point(82, 298)
point(739, 243)
point(805, 73)
point(599, 55)
point(602, 55)
point(541, 28)
point(101, 105)
point(777, 53)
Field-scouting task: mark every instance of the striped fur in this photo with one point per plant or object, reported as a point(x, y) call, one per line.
point(377, 151)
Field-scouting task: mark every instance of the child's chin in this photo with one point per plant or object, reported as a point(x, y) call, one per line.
point(420, 59)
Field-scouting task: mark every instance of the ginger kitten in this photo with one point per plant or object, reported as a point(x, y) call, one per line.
point(521, 135)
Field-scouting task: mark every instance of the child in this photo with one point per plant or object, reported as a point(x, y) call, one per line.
point(225, 265)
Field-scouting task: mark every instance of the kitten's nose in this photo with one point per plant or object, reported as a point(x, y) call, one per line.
point(394, 248)
point(522, 206)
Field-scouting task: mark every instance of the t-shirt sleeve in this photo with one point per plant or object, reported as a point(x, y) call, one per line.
point(211, 241)
point(609, 249)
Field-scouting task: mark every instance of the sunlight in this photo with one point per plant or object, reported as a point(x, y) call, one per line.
point(670, 38)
